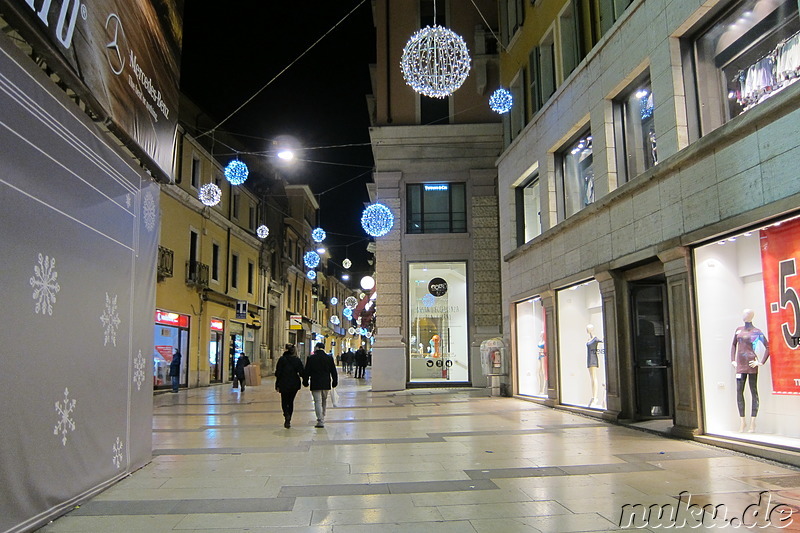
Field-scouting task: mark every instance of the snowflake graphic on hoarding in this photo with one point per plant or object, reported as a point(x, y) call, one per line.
point(110, 320)
point(45, 284)
point(117, 455)
point(128, 200)
point(149, 211)
point(66, 424)
point(138, 372)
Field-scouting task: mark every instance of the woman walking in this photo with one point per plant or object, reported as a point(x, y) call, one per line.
point(288, 374)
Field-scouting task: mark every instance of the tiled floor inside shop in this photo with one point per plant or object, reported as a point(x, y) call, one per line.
point(428, 460)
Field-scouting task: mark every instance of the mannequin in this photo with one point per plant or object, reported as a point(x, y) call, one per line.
point(592, 363)
point(542, 368)
point(745, 360)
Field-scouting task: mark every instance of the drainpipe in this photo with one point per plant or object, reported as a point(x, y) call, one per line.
point(389, 69)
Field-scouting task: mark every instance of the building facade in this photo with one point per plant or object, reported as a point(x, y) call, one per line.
point(650, 195)
point(436, 270)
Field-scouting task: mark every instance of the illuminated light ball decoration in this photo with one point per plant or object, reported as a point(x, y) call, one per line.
point(236, 172)
point(334, 300)
point(312, 274)
point(428, 300)
point(347, 263)
point(318, 235)
point(347, 313)
point(350, 302)
point(367, 283)
point(210, 194)
point(377, 220)
point(311, 259)
point(335, 320)
point(262, 232)
point(368, 334)
point(435, 61)
point(501, 101)
point(351, 331)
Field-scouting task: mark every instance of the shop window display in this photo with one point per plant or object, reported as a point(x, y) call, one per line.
point(582, 361)
point(577, 174)
point(749, 53)
point(531, 348)
point(749, 323)
point(438, 339)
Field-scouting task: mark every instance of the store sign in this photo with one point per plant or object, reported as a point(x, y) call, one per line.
point(437, 287)
point(780, 259)
point(127, 54)
point(440, 187)
point(296, 322)
point(217, 324)
point(241, 309)
point(172, 319)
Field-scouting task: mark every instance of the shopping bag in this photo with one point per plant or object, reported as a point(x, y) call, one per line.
point(334, 398)
point(235, 381)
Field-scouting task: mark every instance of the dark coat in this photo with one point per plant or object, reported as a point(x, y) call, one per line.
point(288, 373)
point(321, 370)
point(242, 362)
point(175, 365)
point(361, 357)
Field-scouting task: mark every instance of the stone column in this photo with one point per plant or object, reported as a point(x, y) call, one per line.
point(553, 378)
point(611, 291)
point(683, 341)
point(389, 354)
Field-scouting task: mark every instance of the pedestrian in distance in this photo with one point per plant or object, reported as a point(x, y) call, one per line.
point(241, 363)
point(361, 362)
point(175, 370)
point(288, 376)
point(320, 372)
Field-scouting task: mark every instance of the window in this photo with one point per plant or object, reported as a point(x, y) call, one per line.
point(250, 277)
point(516, 116)
point(436, 208)
point(252, 219)
point(193, 246)
point(546, 68)
point(289, 294)
point(610, 11)
point(215, 262)
point(529, 210)
point(577, 175)
point(635, 132)
point(235, 199)
point(534, 85)
point(235, 271)
point(744, 56)
point(570, 46)
point(195, 172)
point(513, 17)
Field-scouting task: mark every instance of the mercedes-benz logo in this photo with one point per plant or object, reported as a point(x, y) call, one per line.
point(116, 60)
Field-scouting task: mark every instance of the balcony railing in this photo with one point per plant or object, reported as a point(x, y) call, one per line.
point(164, 267)
point(196, 274)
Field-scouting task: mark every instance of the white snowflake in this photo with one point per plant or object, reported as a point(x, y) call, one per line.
point(117, 455)
point(128, 200)
point(138, 373)
point(149, 211)
point(110, 320)
point(66, 424)
point(45, 284)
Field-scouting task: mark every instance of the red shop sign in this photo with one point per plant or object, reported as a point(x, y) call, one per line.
point(780, 260)
point(172, 319)
point(217, 324)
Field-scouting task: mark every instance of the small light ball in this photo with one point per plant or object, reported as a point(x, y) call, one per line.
point(210, 194)
point(318, 235)
point(501, 101)
point(262, 232)
point(236, 172)
point(311, 259)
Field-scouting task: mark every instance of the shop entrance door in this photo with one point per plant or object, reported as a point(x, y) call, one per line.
point(651, 356)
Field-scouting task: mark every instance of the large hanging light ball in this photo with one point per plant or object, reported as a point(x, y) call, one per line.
point(350, 302)
point(311, 259)
point(210, 194)
point(347, 313)
point(501, 101)
point(236, 172)
point(335, 320)
point(347, 263)
point(262, 232)
point(377, 220)
point(311, 274)
point(318, 235)
point(435, 61)
point(367, 283)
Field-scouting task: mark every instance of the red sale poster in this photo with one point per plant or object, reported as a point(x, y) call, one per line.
point(780, 260)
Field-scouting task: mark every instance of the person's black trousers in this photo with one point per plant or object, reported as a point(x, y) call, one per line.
point(287, 403)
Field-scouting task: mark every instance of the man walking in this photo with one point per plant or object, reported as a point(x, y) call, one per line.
point(361, 362)
point(320, 370)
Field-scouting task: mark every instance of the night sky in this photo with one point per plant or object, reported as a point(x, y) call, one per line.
point(233, 49)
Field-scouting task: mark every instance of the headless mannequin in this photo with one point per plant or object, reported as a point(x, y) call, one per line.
point(746, 362)
point(542, 370)
point(592, 363)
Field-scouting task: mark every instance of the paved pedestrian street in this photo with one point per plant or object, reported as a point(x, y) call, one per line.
point(427, 460)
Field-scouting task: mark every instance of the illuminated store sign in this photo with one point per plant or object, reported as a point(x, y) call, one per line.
point(217, 324)
point(172, 319)
point(442, 187)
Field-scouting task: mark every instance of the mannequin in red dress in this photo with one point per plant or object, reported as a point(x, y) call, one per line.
point(746, 361)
